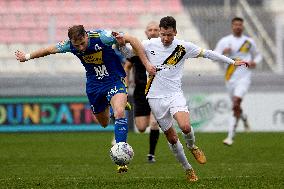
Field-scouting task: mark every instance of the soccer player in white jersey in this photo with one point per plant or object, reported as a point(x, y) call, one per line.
point(238, 79)
point(164, 92)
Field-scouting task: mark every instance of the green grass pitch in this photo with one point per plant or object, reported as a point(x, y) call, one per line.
point(81, 160)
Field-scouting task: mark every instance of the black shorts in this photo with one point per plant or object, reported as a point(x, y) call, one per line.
point(141, 106)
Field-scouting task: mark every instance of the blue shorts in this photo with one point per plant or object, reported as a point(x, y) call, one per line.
point(100, 99)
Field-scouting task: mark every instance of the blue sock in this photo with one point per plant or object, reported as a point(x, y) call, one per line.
point(120, 130)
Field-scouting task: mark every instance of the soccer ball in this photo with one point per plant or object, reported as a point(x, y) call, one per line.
point(121, 153)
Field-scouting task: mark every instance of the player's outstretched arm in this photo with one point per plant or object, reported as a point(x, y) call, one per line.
point(221, 58)
point(22, 57)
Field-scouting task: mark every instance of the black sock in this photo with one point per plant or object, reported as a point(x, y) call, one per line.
point(154, 136)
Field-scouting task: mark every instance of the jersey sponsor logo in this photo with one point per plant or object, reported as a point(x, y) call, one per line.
point(176, 55)
point(95, 58)
point(112, 92)
point(101, 71)
point(245, 47)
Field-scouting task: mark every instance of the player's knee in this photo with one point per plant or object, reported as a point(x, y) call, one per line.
point(237, 107)
point(141, 129)
point(185, 128)
point(104, 123)
point(154, 125)
point(171, 137)
point(237, 110)
point(119, 113)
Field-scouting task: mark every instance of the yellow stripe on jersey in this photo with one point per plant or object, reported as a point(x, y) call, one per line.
point(94, 34)
point(149, 83)
point(245, 47)
point(229, 72)
point(124, 83)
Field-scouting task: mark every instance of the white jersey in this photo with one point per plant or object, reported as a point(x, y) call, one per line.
point(166, 82)
point(243, 48)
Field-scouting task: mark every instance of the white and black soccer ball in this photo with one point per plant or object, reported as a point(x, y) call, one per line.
point(121, 153)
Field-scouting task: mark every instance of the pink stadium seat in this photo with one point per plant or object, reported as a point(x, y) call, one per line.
point(22, 36)
point(120, 6)
point(87, 6)
point(42, 20)
point(137, 6)
point(27, 21)
point(156, 6)
point(6, 36)
point(64, 20)
point(111, 22)
point(61, 34)
point(10, 21)
point(70, 6)
point(96, 21)
point(102, 6)
point(35, 6)
point(176, 6)
point(132, 21)
point(52, 6)
point(17, 6)
point(39, 35)
point(4, 7)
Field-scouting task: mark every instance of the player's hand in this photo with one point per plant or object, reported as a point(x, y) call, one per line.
point(151, 69)
point(119, 38)
point(241, 62)
point(251, 64)
point(20, 56)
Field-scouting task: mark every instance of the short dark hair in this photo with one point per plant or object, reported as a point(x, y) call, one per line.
point(76, 32)
point(168, 22)
point(237, 19)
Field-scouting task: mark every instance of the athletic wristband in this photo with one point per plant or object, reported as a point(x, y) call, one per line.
point(28, 56)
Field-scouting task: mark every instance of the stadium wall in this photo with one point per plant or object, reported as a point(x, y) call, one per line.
point(65, 94)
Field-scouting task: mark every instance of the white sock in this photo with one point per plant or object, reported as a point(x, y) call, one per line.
point(189, 139)
point(232, 127)
point(178, 151)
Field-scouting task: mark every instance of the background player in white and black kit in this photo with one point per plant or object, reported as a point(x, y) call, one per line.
point(142, 111)
point(238, 79)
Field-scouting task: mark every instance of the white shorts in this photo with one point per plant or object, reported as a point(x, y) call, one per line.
point(163, 109)
point(238, 88)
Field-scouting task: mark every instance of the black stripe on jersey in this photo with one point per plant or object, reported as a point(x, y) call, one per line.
point(176, 55)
